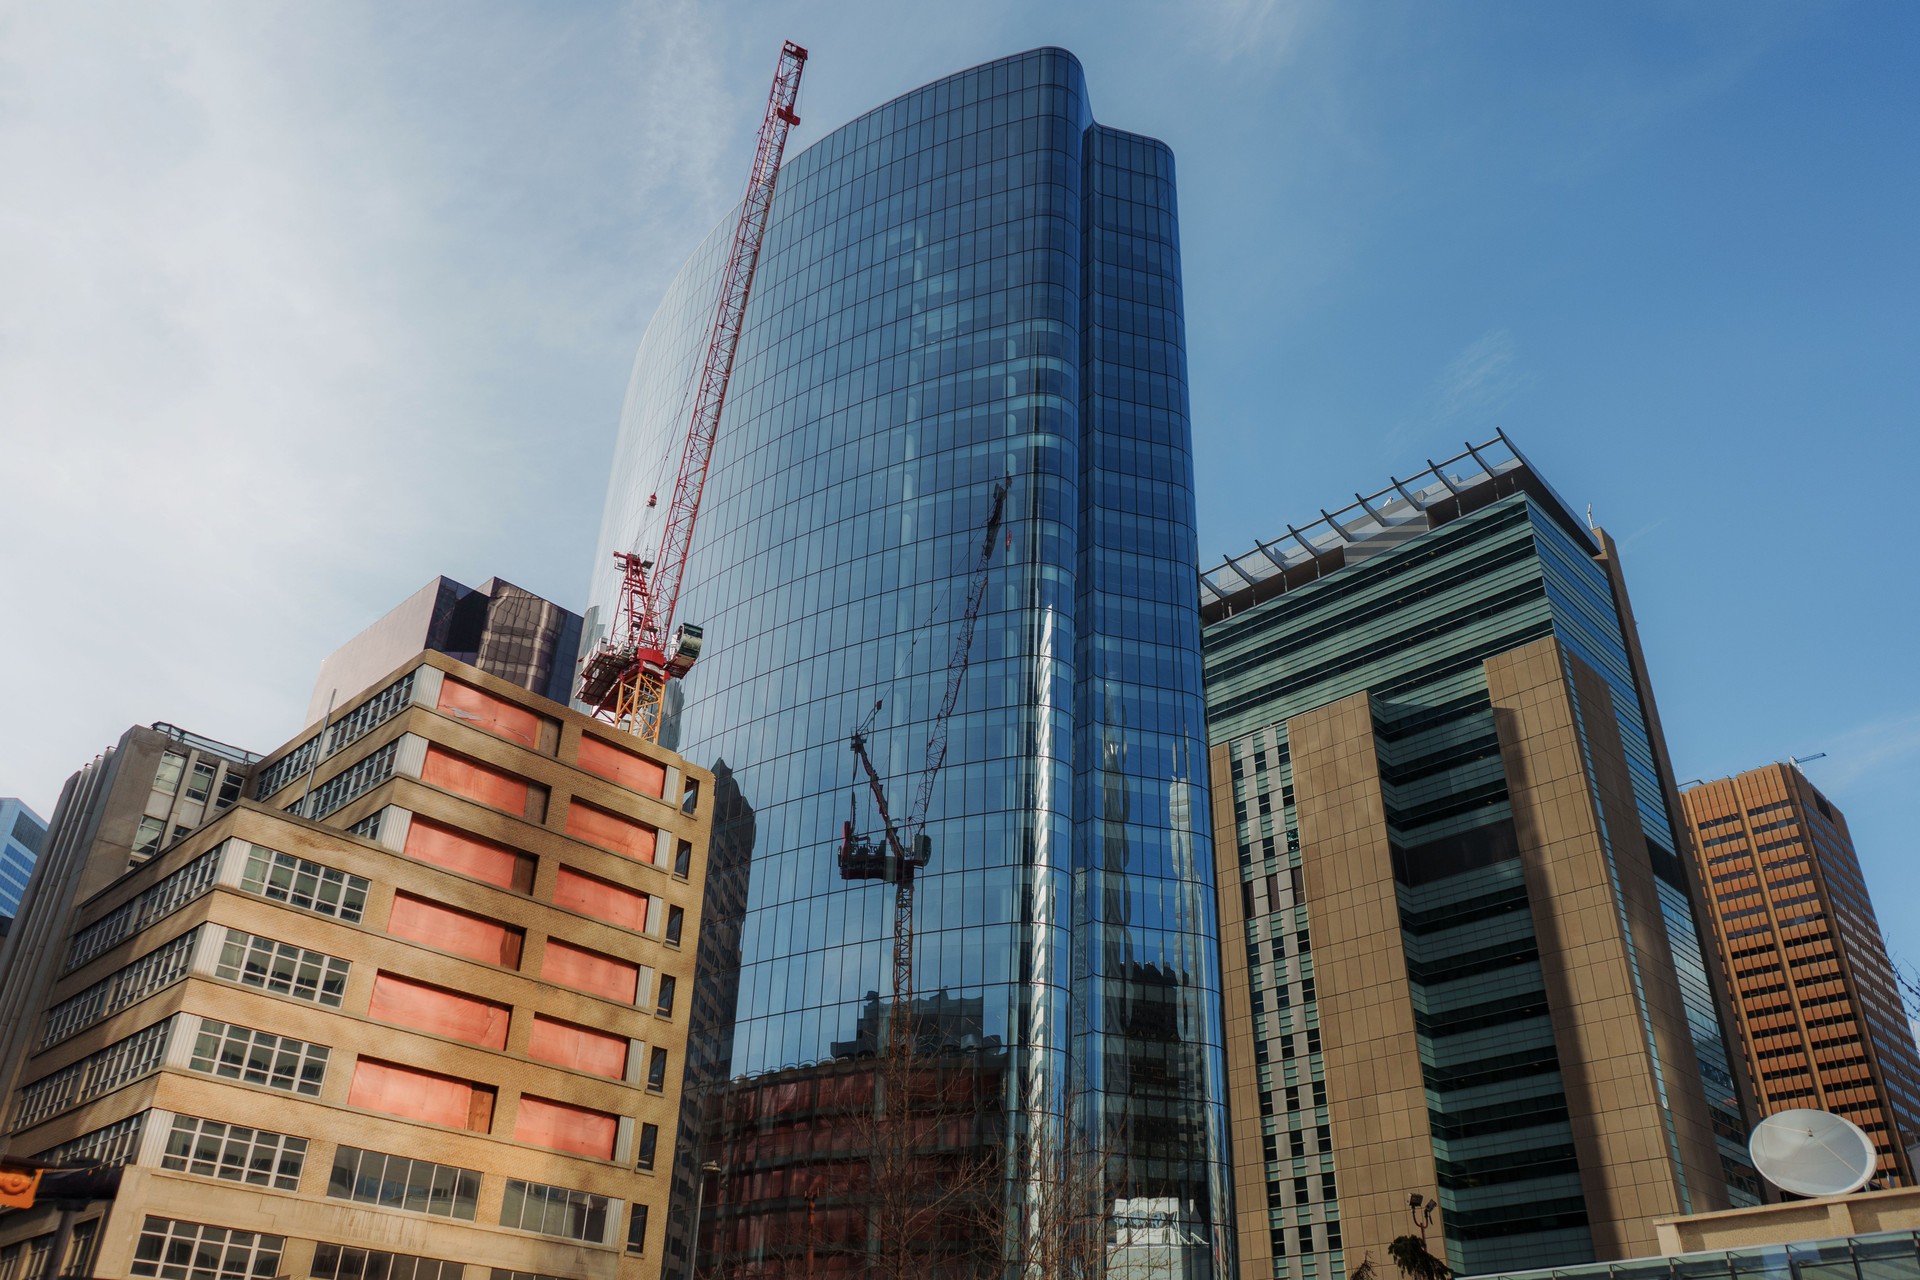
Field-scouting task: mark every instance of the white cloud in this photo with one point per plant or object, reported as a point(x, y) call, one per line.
point(299, 307)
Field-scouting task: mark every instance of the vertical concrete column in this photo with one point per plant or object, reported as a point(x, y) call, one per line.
point(1634, 1098)
point(1243, 1071)
point(1376, 1091)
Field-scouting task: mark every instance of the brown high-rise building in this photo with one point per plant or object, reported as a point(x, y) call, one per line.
point(1460, 947)
point(413, 1009)
point(1818, 1010)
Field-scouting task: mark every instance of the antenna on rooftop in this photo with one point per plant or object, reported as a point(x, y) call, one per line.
point(1813, 1153)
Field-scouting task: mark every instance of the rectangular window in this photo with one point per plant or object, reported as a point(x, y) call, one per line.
point(611, 831)
point(676, 920)
point(294, 764)
point(568, 1044)
point(649, 1146)
point(398, 1182)
point(468, 855)
point(405, 1002)
point(370, 715)
point(309, 886)
point(601, 899)
point(158, 901)
point(616, 764)
point(656, 1069)
point(602, 975)
point(663, 1004)
point(359, 778)
point(259, 1057)
point(282, 968)
point(413, 1094)
point(148, 837)
point(214, 1149)
point(159, 968)
point(484, 711)
point(637, 1229)
point(114, 1144)
point(200, 785)
point(561, 1126)
point(230, 787)
point(166, 779)
point(461, 932)
point(120, 1063)
point(495, 788)
point(555, 1211)
point(175, 1250)
point(351, 1262)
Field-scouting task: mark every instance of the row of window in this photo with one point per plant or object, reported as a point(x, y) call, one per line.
point(171, 1249)
point(157, 901)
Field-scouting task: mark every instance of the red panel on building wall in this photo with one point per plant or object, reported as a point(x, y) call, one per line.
point(413, 1094)
point(559, 1127)
point(635, 772)
point(468, 855)
point(601, 899)
point(610, 831)
point(567, 1044)
point(494, 787)
point(460, 932)
point(437, 1011)
point(484, 711)
point(590, 971)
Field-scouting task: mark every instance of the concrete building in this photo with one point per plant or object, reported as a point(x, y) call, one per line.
point(137, 798)
point(505, 631)
point(410, 1013)
point(976, 283)
point(23, 834)
point(1815, 1000)
point(1461, 954)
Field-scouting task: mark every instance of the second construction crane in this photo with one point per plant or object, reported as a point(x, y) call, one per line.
point(903, 848)
point(625, 678)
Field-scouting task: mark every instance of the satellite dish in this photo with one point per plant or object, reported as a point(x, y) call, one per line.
point(1813, 1153)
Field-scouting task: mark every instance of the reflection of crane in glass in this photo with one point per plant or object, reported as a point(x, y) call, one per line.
point(625, 678)
point(904, 848)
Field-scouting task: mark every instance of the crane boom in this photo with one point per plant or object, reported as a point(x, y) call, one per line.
point(625, 678)
point(907, 847)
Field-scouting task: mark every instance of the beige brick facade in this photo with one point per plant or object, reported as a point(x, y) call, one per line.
point(1646, 1151)
point(603, 1121)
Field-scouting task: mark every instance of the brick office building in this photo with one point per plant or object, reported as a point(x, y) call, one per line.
point(411, 1012)
point(1814, 996)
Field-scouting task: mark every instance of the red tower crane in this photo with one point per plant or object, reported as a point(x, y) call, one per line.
point(625, 677)
point(906, 847)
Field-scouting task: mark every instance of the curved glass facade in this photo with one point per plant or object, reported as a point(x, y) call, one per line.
point(974, 282)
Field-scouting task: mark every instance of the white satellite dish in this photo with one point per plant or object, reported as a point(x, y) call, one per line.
point(1813, 1153)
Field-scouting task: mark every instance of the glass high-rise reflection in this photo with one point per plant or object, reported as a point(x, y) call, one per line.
point(973, 282)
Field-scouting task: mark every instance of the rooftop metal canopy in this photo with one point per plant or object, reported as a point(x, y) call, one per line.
point(1402, 503)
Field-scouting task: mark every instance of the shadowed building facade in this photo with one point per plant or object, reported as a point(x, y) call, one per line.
point(972, 283)
point(1461, 955)
point(1814, 995)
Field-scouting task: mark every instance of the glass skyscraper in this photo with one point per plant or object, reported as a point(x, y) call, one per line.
point(974, 283)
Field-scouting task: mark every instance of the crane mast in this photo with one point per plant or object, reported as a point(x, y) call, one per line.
point(907, 847)
point(625, 678)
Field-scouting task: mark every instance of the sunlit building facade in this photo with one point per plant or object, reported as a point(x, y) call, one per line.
point(1814, 993)
point(972, 284)
point(1462, 954)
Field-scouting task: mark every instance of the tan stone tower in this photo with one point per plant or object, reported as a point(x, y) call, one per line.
point(1461, 957)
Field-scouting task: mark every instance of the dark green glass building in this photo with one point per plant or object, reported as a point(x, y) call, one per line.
point(1461, 954)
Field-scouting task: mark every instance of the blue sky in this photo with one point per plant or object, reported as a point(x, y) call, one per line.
point(301, 305)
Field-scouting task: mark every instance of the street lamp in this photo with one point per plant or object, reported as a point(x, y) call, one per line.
point(708, 1169)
